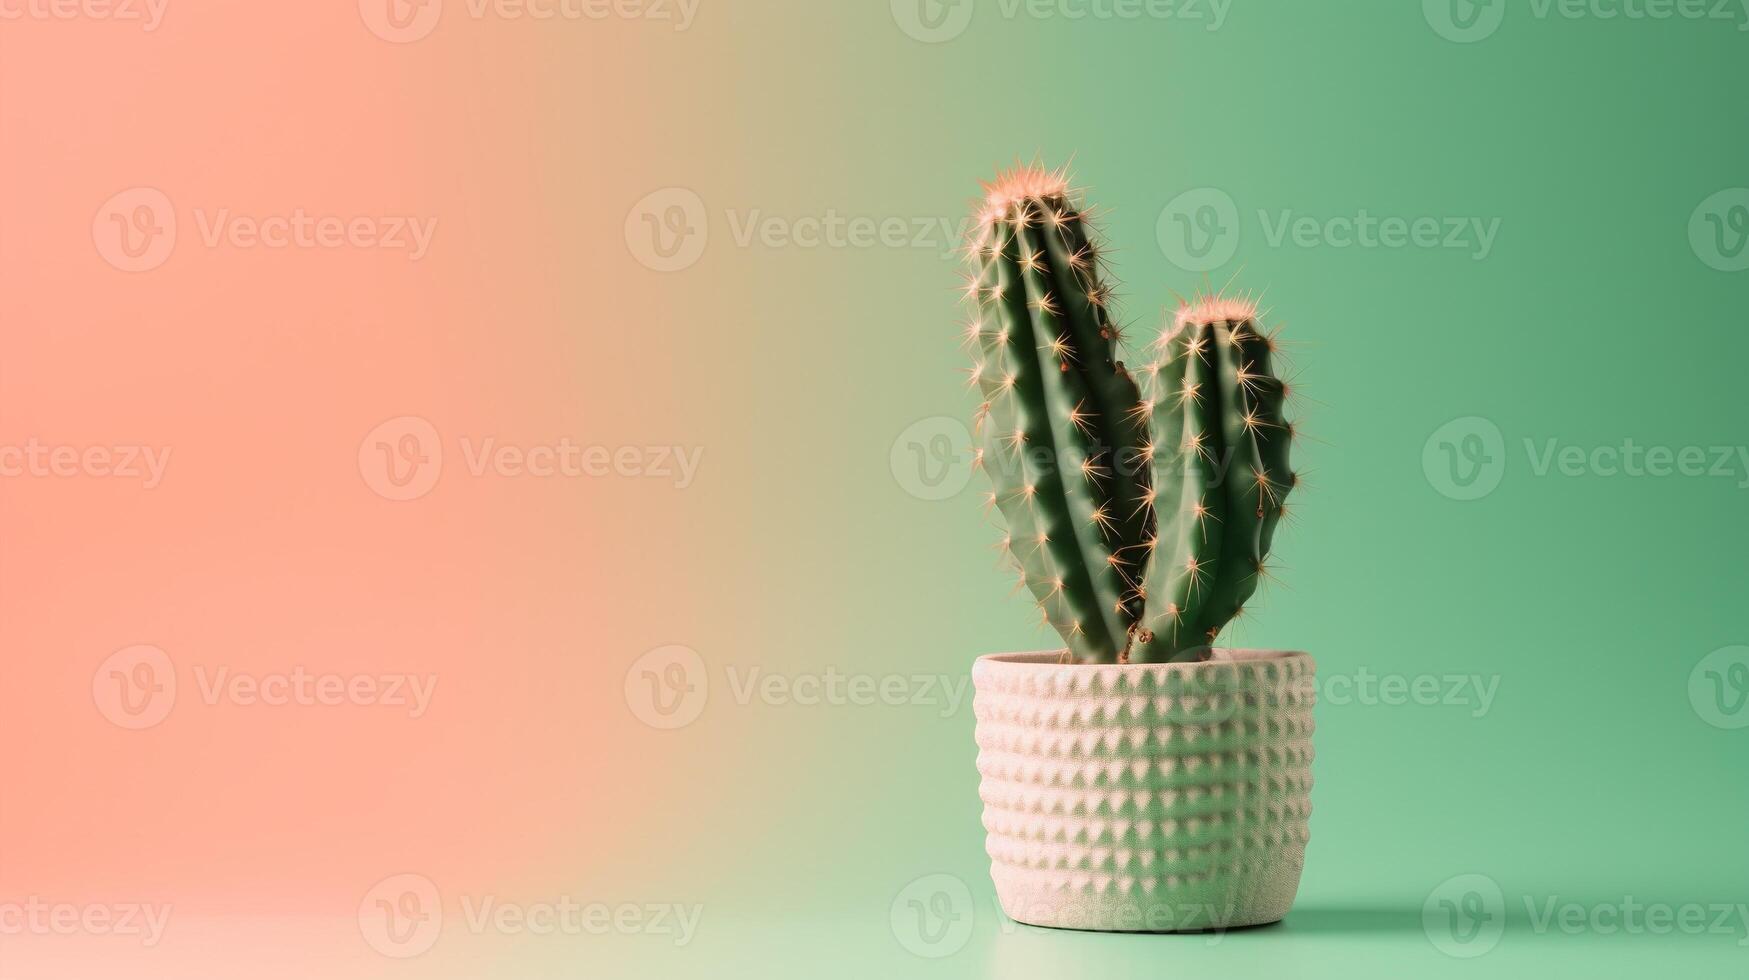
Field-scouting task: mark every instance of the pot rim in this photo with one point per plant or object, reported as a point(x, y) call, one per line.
point(1222, 655)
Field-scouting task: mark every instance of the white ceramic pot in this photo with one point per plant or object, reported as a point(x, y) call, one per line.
point(1146, 797)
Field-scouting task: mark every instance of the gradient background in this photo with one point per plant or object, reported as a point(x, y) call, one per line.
point(806, 544)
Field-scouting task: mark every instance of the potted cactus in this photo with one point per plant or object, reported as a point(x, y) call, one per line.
point(1140, 779)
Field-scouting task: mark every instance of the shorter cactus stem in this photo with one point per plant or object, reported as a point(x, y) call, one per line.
point(1221, 473)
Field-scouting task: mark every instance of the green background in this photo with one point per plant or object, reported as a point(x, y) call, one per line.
point(1588, 599)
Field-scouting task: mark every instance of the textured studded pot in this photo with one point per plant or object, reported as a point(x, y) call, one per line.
point(1146, 797)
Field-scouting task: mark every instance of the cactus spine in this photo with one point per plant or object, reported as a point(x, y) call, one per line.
point(1140, 525)
point(1059, 429)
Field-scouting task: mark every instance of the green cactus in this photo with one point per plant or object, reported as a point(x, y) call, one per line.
point(1081, 461)
point(1221, 475)
point(1060, 431)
